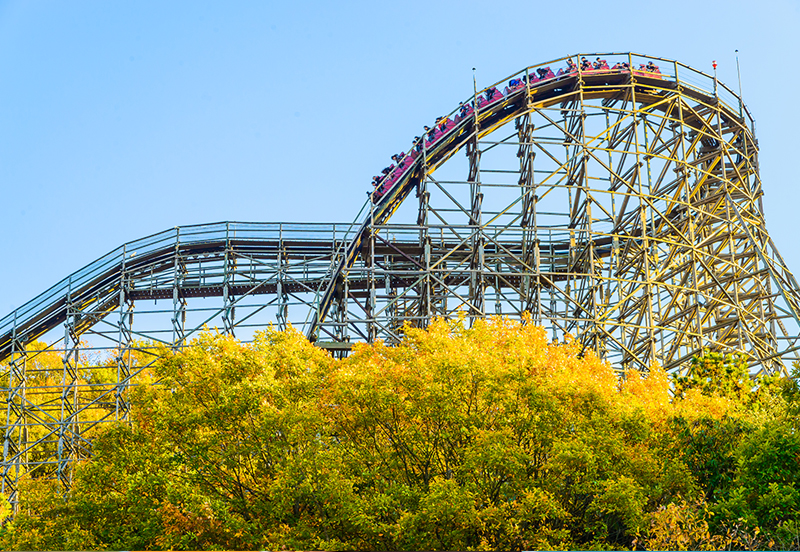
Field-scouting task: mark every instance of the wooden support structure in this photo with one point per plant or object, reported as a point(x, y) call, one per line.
point(620, 207)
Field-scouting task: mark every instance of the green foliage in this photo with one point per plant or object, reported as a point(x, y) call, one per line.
point(717, 374)
point(708, 446)
point(482, 438)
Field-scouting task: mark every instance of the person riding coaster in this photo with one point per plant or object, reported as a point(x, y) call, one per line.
point(464, 111)
point(430, 135)
point(489, 95)
point(545, 73)
point(571, 67)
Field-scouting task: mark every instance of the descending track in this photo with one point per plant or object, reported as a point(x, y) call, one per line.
point(621, 206)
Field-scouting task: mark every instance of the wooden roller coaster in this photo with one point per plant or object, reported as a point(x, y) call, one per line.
point(617, 204)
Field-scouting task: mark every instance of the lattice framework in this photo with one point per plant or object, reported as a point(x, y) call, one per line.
point(621, 208)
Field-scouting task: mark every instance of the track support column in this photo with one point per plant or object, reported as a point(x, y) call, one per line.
point(228, 280)
point(178, 301)
point(68, 428)
point(477, 262)
point(15, 435)
point(122, 408)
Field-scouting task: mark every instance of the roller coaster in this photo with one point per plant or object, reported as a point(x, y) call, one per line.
point(616, 204)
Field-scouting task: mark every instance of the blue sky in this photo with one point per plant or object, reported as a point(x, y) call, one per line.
point(121, 119)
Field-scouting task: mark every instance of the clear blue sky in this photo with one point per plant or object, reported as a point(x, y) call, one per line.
point(119, 119)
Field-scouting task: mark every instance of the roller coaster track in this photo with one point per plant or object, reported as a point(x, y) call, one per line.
point(621, 206)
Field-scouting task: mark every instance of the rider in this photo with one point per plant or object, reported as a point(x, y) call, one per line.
point(430, 133)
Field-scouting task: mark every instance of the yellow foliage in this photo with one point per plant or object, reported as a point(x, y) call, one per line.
point(650, 393)
point(482, 437)
point(695, 404)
